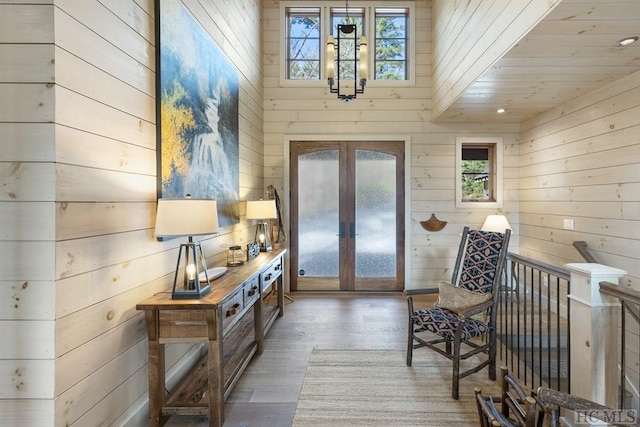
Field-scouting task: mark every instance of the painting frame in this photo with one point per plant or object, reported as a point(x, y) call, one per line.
point(197, 113)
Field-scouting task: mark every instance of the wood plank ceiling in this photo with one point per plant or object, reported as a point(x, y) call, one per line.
point(569, 53)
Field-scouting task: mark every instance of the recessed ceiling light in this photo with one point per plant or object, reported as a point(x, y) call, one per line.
point(627, 41)
point(501, 110)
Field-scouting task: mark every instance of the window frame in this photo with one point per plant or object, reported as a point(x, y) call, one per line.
point(496, 171)
point(378, 11)
point(287, 39)
point(325, 28)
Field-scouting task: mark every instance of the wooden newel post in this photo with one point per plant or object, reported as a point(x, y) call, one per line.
point(594, 334)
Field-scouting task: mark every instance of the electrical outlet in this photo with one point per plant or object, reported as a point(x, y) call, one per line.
point(545, 281)
point(569, 224)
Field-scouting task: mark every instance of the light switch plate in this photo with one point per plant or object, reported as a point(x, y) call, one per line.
point(569, 224)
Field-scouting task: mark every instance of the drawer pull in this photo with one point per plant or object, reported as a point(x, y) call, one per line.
point(252, 291)
point(267, 276)
point(278, 267)
point(233, 310)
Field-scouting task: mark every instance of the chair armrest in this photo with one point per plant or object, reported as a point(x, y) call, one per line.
point(424, 291)
point(411, 293)
point(475, 309)
point(558, 398)
point(552, 400)
point(518, 392)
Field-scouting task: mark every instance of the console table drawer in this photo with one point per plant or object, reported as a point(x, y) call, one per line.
point(251, 290)
point(232, 308)
point(183, 325)
point(271, 273)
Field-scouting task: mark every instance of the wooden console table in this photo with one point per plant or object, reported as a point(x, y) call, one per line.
point(232, 320)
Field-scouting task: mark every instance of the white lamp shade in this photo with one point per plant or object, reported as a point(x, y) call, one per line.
point(496, 223)
point(261, 209)
point(186, 217)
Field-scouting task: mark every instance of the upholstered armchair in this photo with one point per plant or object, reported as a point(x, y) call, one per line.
point(462, 323)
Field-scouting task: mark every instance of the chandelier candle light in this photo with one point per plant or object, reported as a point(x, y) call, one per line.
point(188, 217)
point(262, 210)
point(347, 39)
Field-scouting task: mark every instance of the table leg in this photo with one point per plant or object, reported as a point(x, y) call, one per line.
point(216, 372)
point(281, 295)
point(258, 328)
point(156, 369)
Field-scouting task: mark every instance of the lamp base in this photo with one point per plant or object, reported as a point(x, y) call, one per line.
point(195, 294)
point(262, 237)
point(191, 288)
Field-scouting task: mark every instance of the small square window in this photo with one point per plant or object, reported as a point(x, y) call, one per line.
point(479, 172)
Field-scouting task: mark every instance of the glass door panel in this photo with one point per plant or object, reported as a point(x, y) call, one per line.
point(375, 214)
point(347, 216)
point(318, 220)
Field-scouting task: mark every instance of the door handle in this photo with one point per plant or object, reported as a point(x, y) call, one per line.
point(342, 232)
point(352, 230)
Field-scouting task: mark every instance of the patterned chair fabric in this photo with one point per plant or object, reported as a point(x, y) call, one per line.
point(444, 323)
point(479, 265)
point(480, 260)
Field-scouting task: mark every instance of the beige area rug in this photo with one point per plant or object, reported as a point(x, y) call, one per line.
point(377, 388)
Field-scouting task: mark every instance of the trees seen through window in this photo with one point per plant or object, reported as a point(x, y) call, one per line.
point(387, 33)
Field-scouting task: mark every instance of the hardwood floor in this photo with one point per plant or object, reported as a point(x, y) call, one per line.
point(267, 393)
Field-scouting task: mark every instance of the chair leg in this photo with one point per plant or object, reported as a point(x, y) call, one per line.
point(492, 357)
point(455, 382)
point(410, 342)
point(410, 332)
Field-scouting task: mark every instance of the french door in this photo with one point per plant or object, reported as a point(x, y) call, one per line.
point(347, 215)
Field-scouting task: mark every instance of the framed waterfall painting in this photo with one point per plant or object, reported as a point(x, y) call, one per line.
point(196, 112)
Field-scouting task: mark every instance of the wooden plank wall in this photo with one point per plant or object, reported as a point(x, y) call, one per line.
point(580, 161)
point(78, 200)
point(469, 36)
point(77, 175)
point(27, 219)
point(399, 111)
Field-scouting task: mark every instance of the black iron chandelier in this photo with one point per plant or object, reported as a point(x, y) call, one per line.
point(346, 41)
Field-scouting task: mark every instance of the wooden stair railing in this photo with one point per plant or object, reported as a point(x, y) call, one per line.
point(630, 304)
point(581, 247)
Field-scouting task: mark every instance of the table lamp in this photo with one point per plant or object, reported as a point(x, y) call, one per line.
point(262, 210)
point(188, 217)
point(496, 223)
